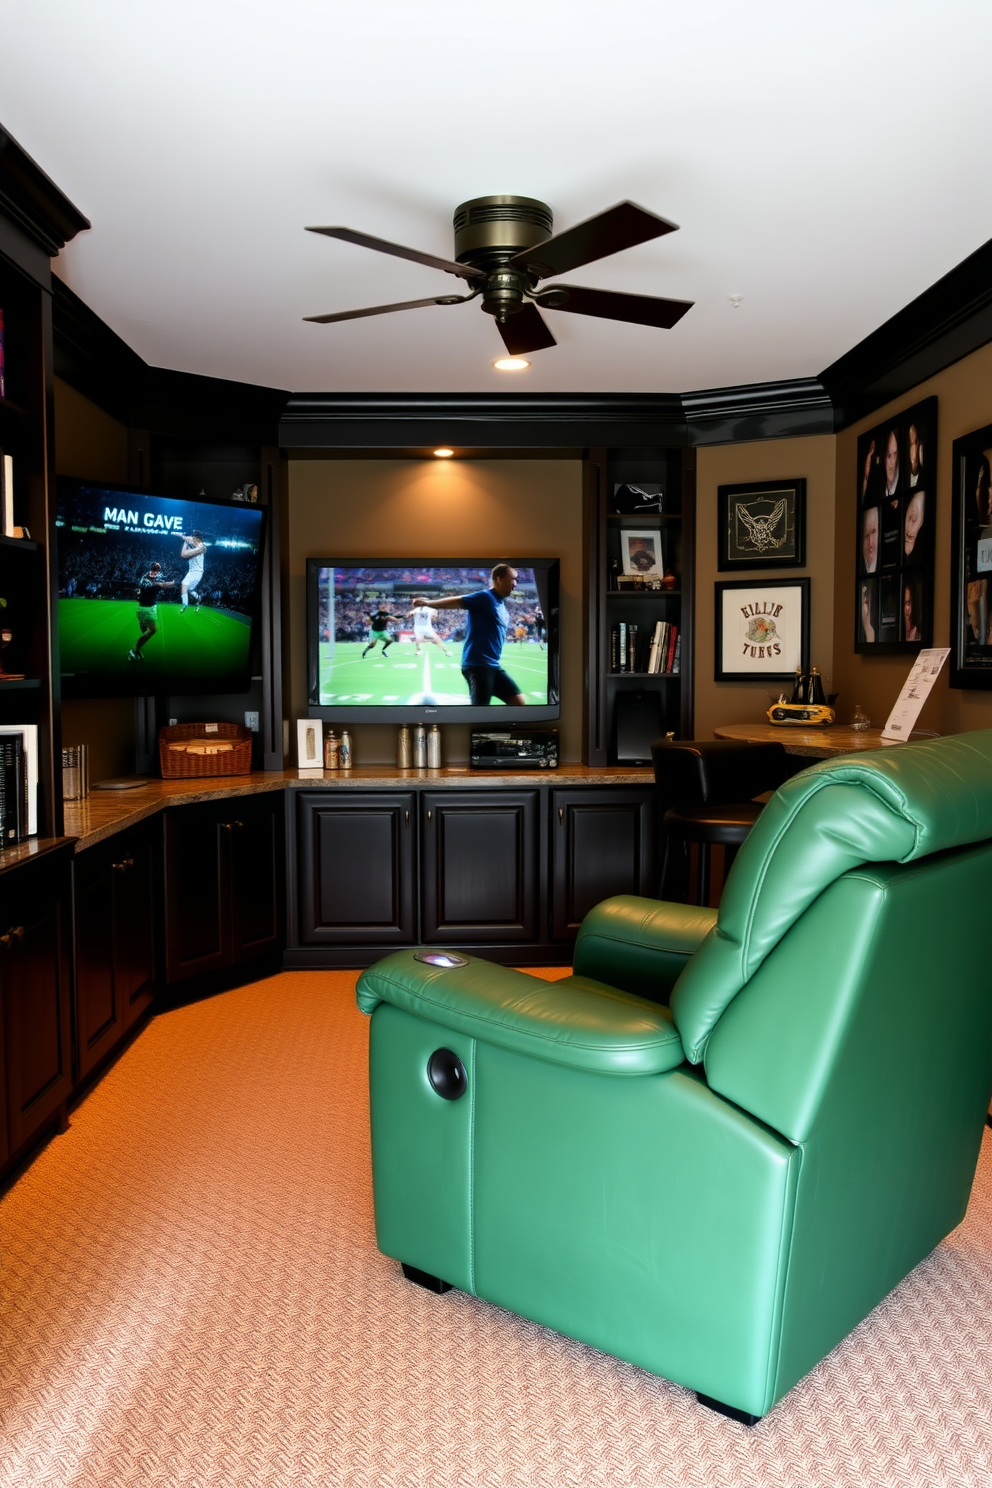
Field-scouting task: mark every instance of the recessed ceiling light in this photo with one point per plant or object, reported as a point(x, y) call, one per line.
point(511, 364)
point(443, 454)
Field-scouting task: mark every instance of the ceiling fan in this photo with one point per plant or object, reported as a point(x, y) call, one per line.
point(504, 247)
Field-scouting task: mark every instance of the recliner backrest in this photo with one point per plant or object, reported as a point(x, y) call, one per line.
point(893, 805)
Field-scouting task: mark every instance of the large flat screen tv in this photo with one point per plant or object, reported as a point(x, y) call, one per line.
point(156, 594)
point(389, 640)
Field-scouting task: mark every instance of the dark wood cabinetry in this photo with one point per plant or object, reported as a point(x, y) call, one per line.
point(602, 843)
point(114, 937)
point(507, 869)
point(480, 875)
point(34, 992)
point(356, 867)
point(223, 884)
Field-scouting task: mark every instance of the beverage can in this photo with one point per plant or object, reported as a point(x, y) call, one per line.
point(434, 747)
point(331, 749)
point(344, 751)
point(419, 747)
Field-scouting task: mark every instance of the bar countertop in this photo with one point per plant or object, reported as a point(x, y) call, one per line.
point(103, 813)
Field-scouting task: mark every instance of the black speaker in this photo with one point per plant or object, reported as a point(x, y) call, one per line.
point(638, 724)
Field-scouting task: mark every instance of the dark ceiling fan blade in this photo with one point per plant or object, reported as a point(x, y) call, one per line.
point(525, 331)
point(622, 226)
point(381, 245)
point(608, 304)
point(386, 309)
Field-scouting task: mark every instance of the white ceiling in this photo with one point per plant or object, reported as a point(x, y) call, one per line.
point(825, 162)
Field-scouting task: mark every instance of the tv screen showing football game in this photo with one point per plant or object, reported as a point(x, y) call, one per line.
point(156, 594)
point(467, 639)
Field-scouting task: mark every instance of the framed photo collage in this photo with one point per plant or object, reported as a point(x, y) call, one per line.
point(895, 532)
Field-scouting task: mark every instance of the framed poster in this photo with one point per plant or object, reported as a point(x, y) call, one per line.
point(762, 525)
point(762, 629)
point(971, 560)
point(896, 491)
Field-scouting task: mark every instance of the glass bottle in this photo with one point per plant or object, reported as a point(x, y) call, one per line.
point(859, 719)
point(419, 747)
point(799, 687)
point(816, 695)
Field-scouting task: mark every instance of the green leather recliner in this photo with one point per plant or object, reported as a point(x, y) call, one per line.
point(722, 1140)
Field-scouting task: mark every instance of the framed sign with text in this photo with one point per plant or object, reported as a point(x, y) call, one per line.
point(762, 629)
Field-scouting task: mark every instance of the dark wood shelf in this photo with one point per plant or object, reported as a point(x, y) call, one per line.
point(26, 544)
point(642, 593)
point(20, 684)
point(663, 676)
point(9, 406)
point(649, 519)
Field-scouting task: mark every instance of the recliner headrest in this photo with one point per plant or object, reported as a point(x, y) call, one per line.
point(892, 805)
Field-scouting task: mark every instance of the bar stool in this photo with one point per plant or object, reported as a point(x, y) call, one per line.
point(706, 791)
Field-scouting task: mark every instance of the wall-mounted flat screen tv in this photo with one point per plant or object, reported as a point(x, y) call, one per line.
point(470, 640)
point(155, 594)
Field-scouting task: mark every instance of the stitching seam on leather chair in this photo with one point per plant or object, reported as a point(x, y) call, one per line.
point(793, 816)
point(471, 1171)
point(623, 940)
point(662, 1039)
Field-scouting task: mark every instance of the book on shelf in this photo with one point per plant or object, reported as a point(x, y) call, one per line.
point(3, 375)
point(28, 734)
point(675, 661)
point(673, 640)
point(13, 791)
point(7, 493)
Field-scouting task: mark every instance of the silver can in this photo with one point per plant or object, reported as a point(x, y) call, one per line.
point(434, 747)
point(404, 750)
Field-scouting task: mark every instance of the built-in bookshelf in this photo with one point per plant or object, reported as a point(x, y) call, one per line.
point(656, 600)
point(36, 220)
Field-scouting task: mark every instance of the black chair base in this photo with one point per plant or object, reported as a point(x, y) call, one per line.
point(425, 1279)
point(730, 1411)
point(703, 827)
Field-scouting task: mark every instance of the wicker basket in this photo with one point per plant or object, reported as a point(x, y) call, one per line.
point(180, 764)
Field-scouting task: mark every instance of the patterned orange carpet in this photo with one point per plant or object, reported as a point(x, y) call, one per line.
point(192, 1296)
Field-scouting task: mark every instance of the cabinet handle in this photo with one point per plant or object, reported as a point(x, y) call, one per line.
point(238, 825)
point(406, 818)
point(429, 816)
point(561, 817)
point(227, 826)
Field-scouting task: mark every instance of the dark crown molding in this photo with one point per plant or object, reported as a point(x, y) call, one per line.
point(34, 201)
point(946, 322)
point(97, 363)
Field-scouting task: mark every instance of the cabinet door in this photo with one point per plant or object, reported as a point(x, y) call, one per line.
point(602, 844)
point(197, 921)
point(99, 1016)
point(356, 868)
point(480, 881)
point(255, 843)
point(34, 979)
point(133, 877)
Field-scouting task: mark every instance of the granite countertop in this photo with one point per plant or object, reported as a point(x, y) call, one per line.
point(104, 813)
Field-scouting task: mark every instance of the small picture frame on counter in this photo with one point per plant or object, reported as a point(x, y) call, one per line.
point(309, 745)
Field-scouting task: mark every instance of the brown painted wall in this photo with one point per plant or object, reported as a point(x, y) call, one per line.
point(437, 509)
point(965, 403)
point(93, 446)
point(778, 459)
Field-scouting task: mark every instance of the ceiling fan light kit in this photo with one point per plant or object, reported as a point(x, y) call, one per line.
point(504, 247)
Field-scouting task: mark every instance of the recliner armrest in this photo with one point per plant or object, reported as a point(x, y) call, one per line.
point(576, 1022)
point(640, 945)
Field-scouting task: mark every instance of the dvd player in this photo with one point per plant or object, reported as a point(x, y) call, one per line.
point(514, 749)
